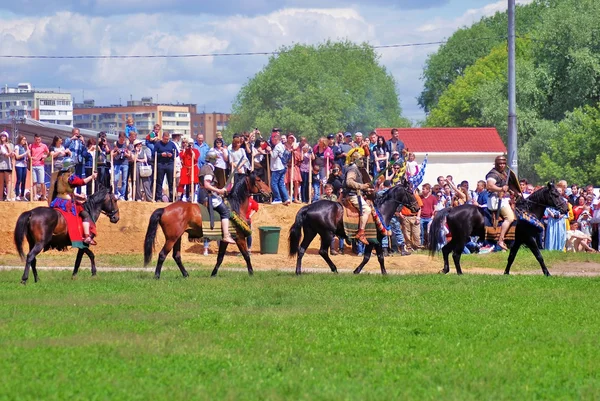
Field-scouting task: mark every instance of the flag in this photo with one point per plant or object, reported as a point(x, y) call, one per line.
point(417, 179)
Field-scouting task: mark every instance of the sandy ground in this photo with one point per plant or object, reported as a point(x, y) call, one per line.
point(127, 236)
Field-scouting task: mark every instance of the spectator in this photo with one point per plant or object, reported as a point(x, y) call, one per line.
point(278, 169)
point(120, 156)
point(411, 225)
point(103, 161)
point(381, 155)
point(151, 139)
point(296, 153)
point(316, 182)
point(189, 170)
point(396, 174)
point(412, 168)
point(259, 152)
point(202, 148)
point(358, 140)
point(22, 155)
point(330, 196)
point(143, 185)
point(176, 139)
point(129, 128)
point(585, 223)
point(323, 157)
point(579, 207)
point(77, 147)
point(336, 180)
point(38, 153)
point(427, 212)
point(305, 167)
point(238, 160)
point(250, 211)
point(89, 164)
point(373, 140)
point(221, 163)
point(132, 138)
point(556, 230)
point(6, 156)
point(166, 152)
point(345, 148)
point(58, 153)
point(578, 241)
point(395, 144)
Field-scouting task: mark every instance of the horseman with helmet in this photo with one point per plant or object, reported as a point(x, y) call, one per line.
point(212, 196)
point(497, 186)
point(353, 188)
point(64, 198)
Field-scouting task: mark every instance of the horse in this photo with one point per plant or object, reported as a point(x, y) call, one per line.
point(46, 228)
point(467, 220)
point(326, 218)
point(179, 217)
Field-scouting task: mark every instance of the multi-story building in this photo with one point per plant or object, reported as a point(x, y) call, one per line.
point(172, 117)
point(45, 106)
point(208, 124)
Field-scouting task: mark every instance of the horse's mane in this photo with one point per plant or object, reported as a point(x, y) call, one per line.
point(239, 192)
point(95, 199)
point(390, 194)
point(538, 196)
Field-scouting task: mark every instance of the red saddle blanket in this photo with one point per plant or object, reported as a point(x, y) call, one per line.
point(74, 228)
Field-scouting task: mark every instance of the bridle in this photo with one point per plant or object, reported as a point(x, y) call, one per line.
point(114, 210)
point(259, 191)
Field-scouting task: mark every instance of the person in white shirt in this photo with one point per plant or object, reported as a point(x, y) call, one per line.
point(280, 194)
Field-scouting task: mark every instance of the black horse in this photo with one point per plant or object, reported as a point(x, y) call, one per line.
point(467, 220)
point(325, 218)
point(46, 228)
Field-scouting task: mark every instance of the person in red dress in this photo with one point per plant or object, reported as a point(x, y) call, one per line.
point(189, 168)
point(252, 208)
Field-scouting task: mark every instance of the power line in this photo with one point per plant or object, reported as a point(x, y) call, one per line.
point(237, 54)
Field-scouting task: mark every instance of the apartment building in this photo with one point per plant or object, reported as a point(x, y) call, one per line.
point(46, 106)
point(208, 124)
point(145, 113)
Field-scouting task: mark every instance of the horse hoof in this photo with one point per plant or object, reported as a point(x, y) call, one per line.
point(250, 273)
point(548, 274)
point(443, 271)
point(73, 277)
point(24, 282)
point(356, 271)
point(156, 277)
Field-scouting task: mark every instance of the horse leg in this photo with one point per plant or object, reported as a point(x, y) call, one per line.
point(324, 251)
point(446, 249)
point(92, 257)
point(532, 245)
point(77, 262)
point(513, 254)
point(30, 261)
point(34, 270)
point(309, 235)
point(243, 247)
point(380, 258)
point(222, 249)
point(177, 257)
point(456, 254)
point(164, 252)
point(367, 255)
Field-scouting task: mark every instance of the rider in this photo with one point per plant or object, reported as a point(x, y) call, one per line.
point(353, 185)
point(209, 183)
point(66, 199)
point(497, 186)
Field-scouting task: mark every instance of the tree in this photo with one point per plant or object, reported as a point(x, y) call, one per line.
point(573, 153)
point(316, 90)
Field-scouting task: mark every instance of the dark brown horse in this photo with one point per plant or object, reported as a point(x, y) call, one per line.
point(326, 218)
point(46, 228)
point(467, 220)
point(179, 217)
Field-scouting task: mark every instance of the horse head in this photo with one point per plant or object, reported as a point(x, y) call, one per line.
point(257, 186)
point(555, 198)
point(407, 196)
point(108, 202)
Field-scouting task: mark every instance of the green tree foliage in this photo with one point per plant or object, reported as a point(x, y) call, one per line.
point(467, 45)
point(573, 153)
point(315, 90)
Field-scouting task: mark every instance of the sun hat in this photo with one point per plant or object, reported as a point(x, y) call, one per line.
point(137, 142)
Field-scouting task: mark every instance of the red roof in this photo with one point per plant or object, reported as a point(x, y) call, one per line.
point(437, 140)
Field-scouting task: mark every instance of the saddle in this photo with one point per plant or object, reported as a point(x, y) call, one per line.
point(492, 233)
point(349, 210)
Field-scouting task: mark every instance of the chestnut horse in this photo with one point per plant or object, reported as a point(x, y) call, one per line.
point(46, 228)
point(178, 217)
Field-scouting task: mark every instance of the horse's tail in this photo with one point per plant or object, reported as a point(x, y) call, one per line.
point(436, 227)
point(151, 234)
point(20, 231)
point(296, 231)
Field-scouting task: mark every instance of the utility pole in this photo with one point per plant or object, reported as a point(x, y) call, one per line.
point(513, 160)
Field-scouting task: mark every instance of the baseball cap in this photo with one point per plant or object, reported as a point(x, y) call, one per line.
point(330, 136)
point(348, 135)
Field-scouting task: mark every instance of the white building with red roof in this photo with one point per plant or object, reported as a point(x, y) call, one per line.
point(464, 153)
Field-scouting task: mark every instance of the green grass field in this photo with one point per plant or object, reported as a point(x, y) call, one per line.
point(125, 336)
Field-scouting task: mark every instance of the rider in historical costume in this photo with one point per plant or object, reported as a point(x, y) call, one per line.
point(353, 185)
point(497, 186)
point(63, 197)
point(214, 194)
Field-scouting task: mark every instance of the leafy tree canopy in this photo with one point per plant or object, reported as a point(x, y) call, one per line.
point(316, 90)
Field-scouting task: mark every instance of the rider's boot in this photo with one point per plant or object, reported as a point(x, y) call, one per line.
point(226, 235)
point(360, 235)
point(87, 237)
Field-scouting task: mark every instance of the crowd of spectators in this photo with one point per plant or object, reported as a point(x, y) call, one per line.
point(163, 167)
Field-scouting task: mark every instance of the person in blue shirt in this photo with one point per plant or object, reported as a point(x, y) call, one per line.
point(78, 150)
point(130, 127)
point(166, 152)
point(203, 148)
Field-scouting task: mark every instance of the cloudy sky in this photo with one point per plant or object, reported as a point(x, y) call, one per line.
point(153, 27)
